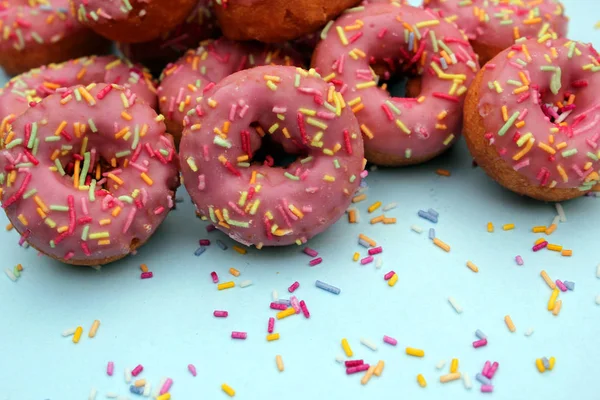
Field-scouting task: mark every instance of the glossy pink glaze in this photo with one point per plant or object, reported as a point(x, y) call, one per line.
point(495, 22)
point(183, 83)
point(38, 83)
point(129, 210)
point(414, 129)
point(107, 9)
point(23, 24)
point(551, 146)
point(258, 204)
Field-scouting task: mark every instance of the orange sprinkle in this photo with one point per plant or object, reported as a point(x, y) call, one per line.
point(240, 250)
point(567, 253)
point(9, 227)
point(389, 221)
point(551, 229)
point(234, 272)
point(115, 178)
point(40, 204)
point(116, 212)
point(377, 219)
point(352, 216)
point(441, 245)
point(146, 179)
point(359, 198)
point(367, 239)
point(443, 172)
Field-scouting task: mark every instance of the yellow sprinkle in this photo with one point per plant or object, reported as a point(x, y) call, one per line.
point(554, 247)
point(271, 85)
point(60, 128)
point(393, 280)
point(234, 272)
point(547, 279)
point(509, 323)
point(415, 352)
point(472, 266)
point(356, 256)
point(366, 85)
point(346, 348)
point(490, 227)
point(421, 380)
point(553, 298)
point(454, 365)
point(539, 229)
point(374, 206)
point(441, 245)
point(240, 250)
point(366, 131)
point(273, 336)
point(165, 396)
point(552, 363)
point(379, 368)
point(450, 377)
point(225, 285)
point(367, 376)
point(94, 329)
point(329, 178)
point(424, 24)
point(227, 389)
point(342, 35)
point(508, 227)
point(540, 365)
point(77, 334)
point(285, 313)
point(279, 362)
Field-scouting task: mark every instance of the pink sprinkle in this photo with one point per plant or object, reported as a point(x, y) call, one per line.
point(295, 304)
point(271, 326)
point(239, 335)
point(493, 370)
point(519, 260)
point(293, 287)
point(353, 363)
point(375, 250)
point(166, 386)
point(540, 246)
point(278, 306)
point(359, 368)
point(110, 368)
point(389, 275)
point(310, 252)
point(220, 314)
point(137, 370)
point(210, 228)
point(486, 369)
point(304, 309)
point(192, 369)
point(390, 340)
point(561, 285)
point(204, 242)
point(366, 260)
point(215, 277)
point(315, 261)
point(147, 275)
point(480, 343)
point(487, 388)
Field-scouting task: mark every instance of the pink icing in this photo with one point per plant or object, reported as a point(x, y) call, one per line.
point(40, 82)
point(23, 24)
point(407, 128)
point(183, 83)
point(262, 205)
point(75, 222)
point(532, 78)
point(493, 22)
point(108, 9)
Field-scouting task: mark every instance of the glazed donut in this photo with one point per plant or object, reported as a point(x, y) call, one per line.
point(198, 26)
point(31, 87)
point(132, 21)
point(37, 33)
point(494, 25)
point(275, 21)
point(260, 203)
point(184, 82)
point(532, 116)
point(399, 131)
point(87, 175)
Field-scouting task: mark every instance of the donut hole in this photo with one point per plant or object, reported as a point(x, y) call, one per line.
point(397, 82)
point(69, 163)
point(557, 107)
point(272, 154)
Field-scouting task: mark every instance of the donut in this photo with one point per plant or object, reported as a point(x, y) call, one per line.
point(274, 21)
point(37, 33)
point(399, 41)
point(232, 156)
point(531, 118)
point(88, 175)
point(494, 25)
point(31, 87)
point(183, 83)
point(198, 26)
point(132, 21)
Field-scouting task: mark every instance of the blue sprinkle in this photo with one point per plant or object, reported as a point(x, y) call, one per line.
point(199, 251)
point(363, 183)
point(570, 285)
point(327, 287)
point(433, 212)
point(136, 390)
point(284, 301)
point(480, 334)
point(546, 363)
point(222, 245)
point(431, 233)
point(484, 380)
point(427, 216)
point(411, 41)
point(63, 10)
point(363, 243)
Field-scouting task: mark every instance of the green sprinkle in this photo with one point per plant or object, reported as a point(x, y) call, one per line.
point(192, 164)
point(85, 168)
point(84, 232)
point(50, 222)
point(445, 47)
point(36, 145)
point(163, 152)
point(92, 125)
point(33, 136)
point(55, 207)
point(37, 37)
point(315, 122)
point(2, 177)
point(352, 178)
point(14, 143)
point(273, 128)
point(59, 167)
point(547, 68)
point(555, 82)
point(243, 164)
point(136, 138)
point(571, 49)
point(24, 165)
point(506, 22)
point(508, 123)
point(240, 224)
point(122, 154)
point(433, 41)
point(52, 139)
point(52, 245)
point(569, 153)
point(326, 30)
point(99, 235)
point(94, 15)
point(336, 163)
point(297, 80)
point(592, 156)
point(92, 191)
point(219, 141)
point(305, 160)
point(393, 106)
point(407, 153)
point(514, 83)
point(30, 193)
point(77, 95)
point(126, 199)
point(290, 176)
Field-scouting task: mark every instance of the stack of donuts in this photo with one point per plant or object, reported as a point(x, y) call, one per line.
point(270, 109)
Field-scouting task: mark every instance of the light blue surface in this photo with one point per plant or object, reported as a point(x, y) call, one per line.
point(166, 322)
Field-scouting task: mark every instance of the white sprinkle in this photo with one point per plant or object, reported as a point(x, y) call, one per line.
point(147, 389)
point(467, 381)
point(123, 398)
point(68, 332)
point(93, 394)
point(598, 271)
point(160, 385)
point(368, 343)
point(529, 332)
point(339, 358)
point(390, 206)
point(598, 299)
point(246, 283)
point(96, 267)
point(127, 375)
point(112, 395)
point(555, 220)
point(455, 305)
point(561, 212)
point(275, 295)
point(10, 275)
point(440, 364)
point(378, 262)
point(417, 229)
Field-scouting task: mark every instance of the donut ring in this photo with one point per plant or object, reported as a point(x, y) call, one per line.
point(531, 119)
point(276, 21)
point(399, 131)
point(494, 25)
point(124, 174)
point(33, 86)
point(37, 33)
point(183, 83)
point(132, 21)
point(257, 204)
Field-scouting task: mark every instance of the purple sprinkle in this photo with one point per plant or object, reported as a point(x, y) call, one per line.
point(310, 252)
point(367, 260)
point(519, 260)
point(147, 275)
point(315, 261)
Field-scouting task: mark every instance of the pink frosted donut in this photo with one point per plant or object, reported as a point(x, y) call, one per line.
point(494, 25)
point(40, 32)
point(33, 86)
point(411, 41)
point(87, 175)
point(258, 203)
point(183, 83)
point(532, 117)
